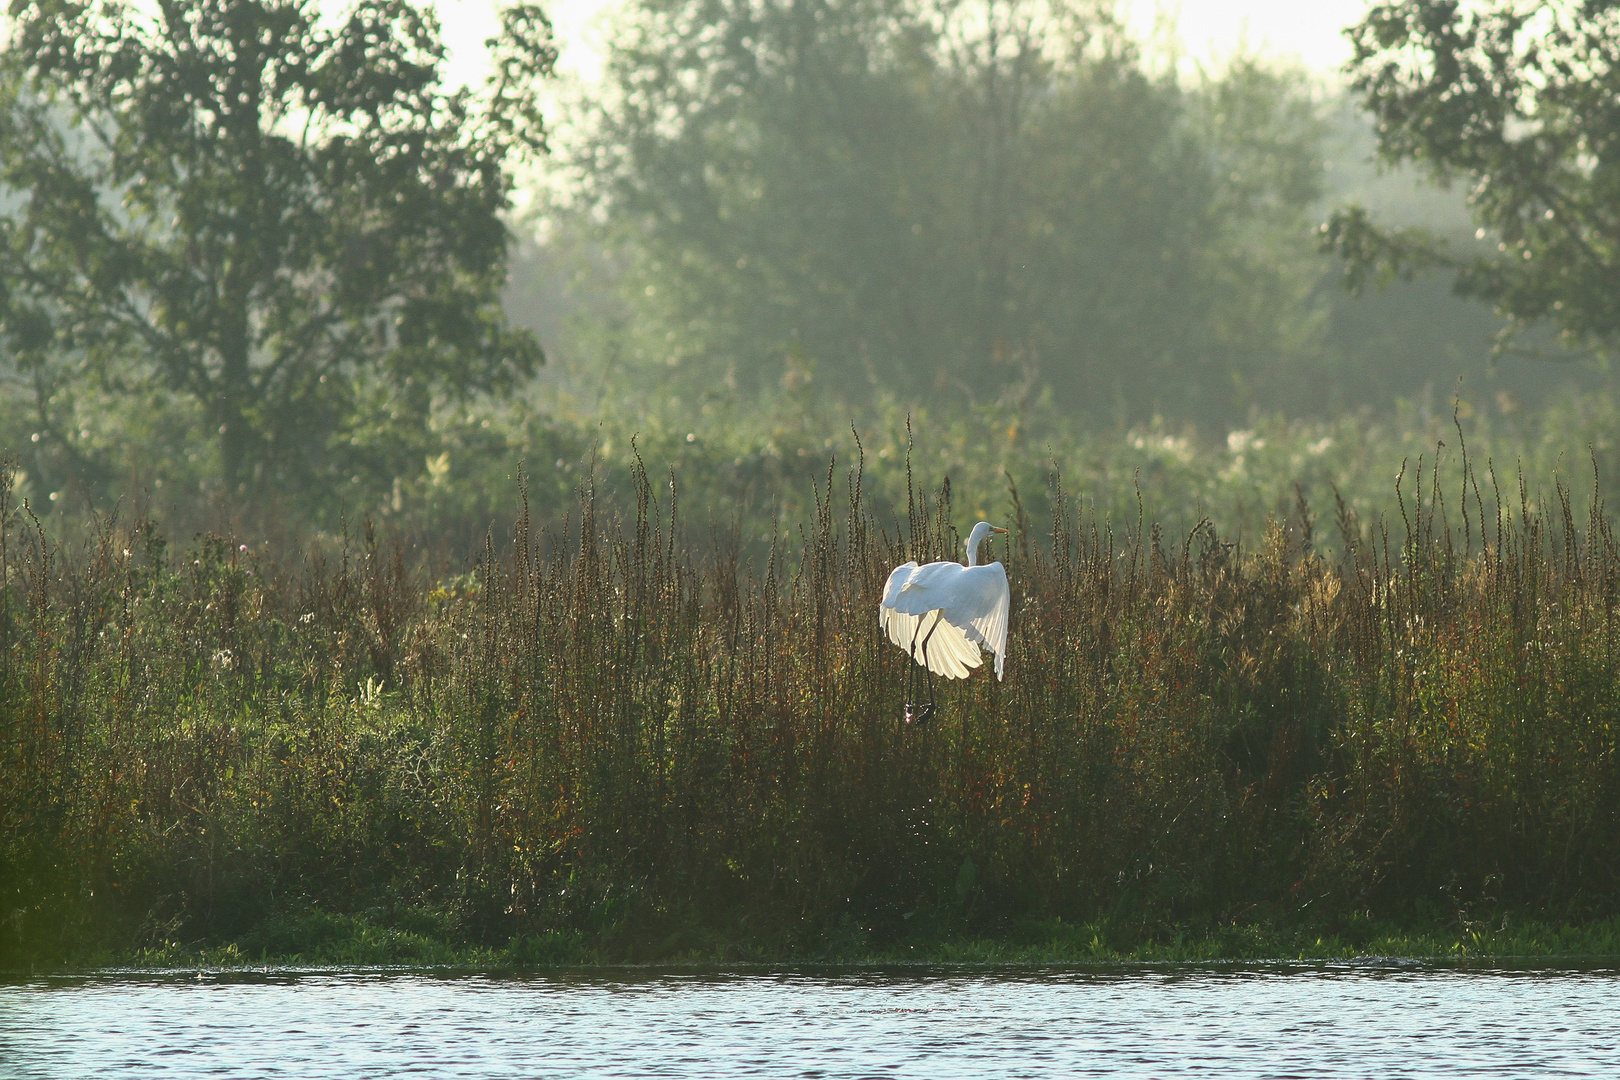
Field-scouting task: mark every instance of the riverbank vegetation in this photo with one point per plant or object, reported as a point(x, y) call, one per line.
point(338, 622)
point(416, 940)
point(619, 739)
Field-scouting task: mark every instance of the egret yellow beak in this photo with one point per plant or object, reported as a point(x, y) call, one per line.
point(997, 528)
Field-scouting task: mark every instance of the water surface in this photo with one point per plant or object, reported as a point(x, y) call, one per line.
point(1321, 1021)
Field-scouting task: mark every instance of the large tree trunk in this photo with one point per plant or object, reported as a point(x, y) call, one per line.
point(232, 447)
point(235, 394)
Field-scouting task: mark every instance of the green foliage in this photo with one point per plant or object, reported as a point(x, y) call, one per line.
point(752, 466)
point(1517, 101)
point(275, 230)
point(907, 202)
point(610, 743)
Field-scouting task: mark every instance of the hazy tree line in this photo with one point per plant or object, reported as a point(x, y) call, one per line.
point(917, 200)
point(258, 251)
point(960, 203)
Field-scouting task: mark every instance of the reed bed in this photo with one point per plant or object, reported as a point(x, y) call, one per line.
point(612, 737)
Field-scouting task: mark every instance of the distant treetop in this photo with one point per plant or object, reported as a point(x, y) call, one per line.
point(1520, 102)
point(282, 219)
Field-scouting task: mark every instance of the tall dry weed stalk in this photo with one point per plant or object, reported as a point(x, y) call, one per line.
point(608, 729)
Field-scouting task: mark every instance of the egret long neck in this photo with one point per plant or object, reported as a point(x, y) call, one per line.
point(976, 538)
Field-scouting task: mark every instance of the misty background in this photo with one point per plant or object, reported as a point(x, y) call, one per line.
point(1018, 238)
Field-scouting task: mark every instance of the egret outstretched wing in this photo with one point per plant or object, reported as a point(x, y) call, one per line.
point(987, 609)
point(953, 608)
point(915, 623)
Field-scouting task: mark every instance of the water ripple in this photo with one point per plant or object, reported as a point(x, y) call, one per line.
point(1317, 1022)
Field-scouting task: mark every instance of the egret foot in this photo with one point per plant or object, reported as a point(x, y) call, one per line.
point(919, 714)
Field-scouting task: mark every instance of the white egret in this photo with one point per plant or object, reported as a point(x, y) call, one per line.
point(942, 613)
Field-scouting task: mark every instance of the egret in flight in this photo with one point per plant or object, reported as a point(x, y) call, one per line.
point(943, 612)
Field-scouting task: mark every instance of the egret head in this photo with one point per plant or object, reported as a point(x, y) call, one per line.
point(976, 537)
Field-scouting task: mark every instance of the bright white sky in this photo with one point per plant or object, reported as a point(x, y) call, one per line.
point(1307, 31)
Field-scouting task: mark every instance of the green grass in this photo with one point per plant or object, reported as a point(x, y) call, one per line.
point(376, 940)
point(611, 744)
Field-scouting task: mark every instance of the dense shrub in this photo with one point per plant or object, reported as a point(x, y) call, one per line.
point(607, 732)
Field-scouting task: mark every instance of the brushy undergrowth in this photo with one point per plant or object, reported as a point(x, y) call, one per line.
point(608, 742)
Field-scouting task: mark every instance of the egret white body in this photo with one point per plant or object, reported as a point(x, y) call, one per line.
point(943, 612)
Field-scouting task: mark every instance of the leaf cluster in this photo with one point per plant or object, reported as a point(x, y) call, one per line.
point(262, 212)
point(920, 201)
point(1518, 101)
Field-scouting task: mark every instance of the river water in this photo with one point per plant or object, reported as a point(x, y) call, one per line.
point(1358, 1020)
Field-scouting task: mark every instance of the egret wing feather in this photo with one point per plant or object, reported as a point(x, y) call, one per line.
point(949, 652)
point(901, 626)
point(897, 580)
point(980, 599)
point(954, 608)
point(945, 647)
point(925, 588)
point(992, 601)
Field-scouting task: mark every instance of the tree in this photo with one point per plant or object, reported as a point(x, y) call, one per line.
point(278, 217)
point(1521, 102)
point(942, 200)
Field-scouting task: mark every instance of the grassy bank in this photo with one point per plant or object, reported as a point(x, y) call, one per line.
point(609, 742)
point(418, 939)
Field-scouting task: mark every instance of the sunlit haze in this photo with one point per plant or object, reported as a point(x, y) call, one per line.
point(1208, 31)
point(1307, 31)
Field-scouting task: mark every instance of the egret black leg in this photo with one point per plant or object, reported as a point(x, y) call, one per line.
point(914, 712)
point(911, 675)
point(927, 711)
